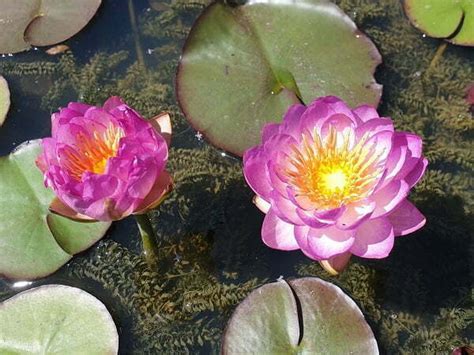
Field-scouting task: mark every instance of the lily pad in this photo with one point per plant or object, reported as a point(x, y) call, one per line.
point(303, 316)
point(4, 99)
point(34, 242)
point(56, 319)
point(452, 20)
point(42, 22)
point(243, 66)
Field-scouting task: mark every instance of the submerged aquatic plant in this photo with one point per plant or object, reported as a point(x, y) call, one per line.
point(105, 163)
point(334, 182)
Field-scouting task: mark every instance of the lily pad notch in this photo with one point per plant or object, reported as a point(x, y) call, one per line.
point(306, 315)
point(452, 20)
point(42, 22)
point(35, 242)
point(243, 66)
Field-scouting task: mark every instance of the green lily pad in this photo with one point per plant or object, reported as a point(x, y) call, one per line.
point(243, 66)
point(34, 242)
point(4, 99)
point(303, 316)
point(56, 319)
point(42, 22)
point(452, 20)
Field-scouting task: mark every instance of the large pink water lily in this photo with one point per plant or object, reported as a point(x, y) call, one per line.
point(105, 163)
point(334, 182)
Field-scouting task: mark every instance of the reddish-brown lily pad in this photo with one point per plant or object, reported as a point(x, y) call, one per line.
point(242, 66)
point(42, 22)
point(302, 316)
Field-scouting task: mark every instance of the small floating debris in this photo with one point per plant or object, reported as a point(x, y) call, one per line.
point(60, 48)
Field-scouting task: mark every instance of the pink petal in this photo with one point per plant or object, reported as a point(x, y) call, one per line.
point(278, 234)
point(366, 113)
point(396, 158)
point(276, 173)
point(417, 173)
point(79, 107)
point(291, 121)
point(324, 110)
point(406, 219)
point(269, 130)
point(355, 213)
point(310, 219)
point(338, 121)
point(329, 216)
point(98, 187)
point(255, 171)
point(387, 198)
point(381, 144)
point(63, 117)
point(324, 243)
point(284, 208)
point(413, 156)
point(373, 127)
point(163, 185)
point(48, 155)
point(112, 103)
point(374, 239)
point(103, 210)
point(301, 236)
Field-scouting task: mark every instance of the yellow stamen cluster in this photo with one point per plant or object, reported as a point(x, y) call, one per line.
point(331, 173)
point(92, 152)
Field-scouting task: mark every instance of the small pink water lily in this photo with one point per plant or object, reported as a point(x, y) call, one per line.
point(334, 182)
point(105, 163)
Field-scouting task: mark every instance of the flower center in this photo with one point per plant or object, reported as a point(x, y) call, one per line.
point(93, 152)
point(335, 180)
point(330, 173)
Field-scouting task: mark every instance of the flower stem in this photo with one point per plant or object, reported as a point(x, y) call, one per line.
point(437, 56)
point(150, 249)
point(136, 35)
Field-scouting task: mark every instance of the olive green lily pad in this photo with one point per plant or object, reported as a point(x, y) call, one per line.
point(243, 66)
point(42, 22)
point(303, 316)
point(56, 319)
point(449, 19)
point(4, 99)
point(34, 242)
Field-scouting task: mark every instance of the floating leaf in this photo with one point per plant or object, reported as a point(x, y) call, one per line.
point(42, 22)
point(303, 316)
point(243, 66)
point(449, 19)
point(34, 242)
point(4, 99)
point(56, 319)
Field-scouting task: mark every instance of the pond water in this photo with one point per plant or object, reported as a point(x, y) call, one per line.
point(418, 300)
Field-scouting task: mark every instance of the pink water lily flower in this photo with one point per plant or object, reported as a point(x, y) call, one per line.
point(105, 163)
point(334, 182)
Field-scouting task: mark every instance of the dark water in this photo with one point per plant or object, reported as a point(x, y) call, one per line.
point(418, 300)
